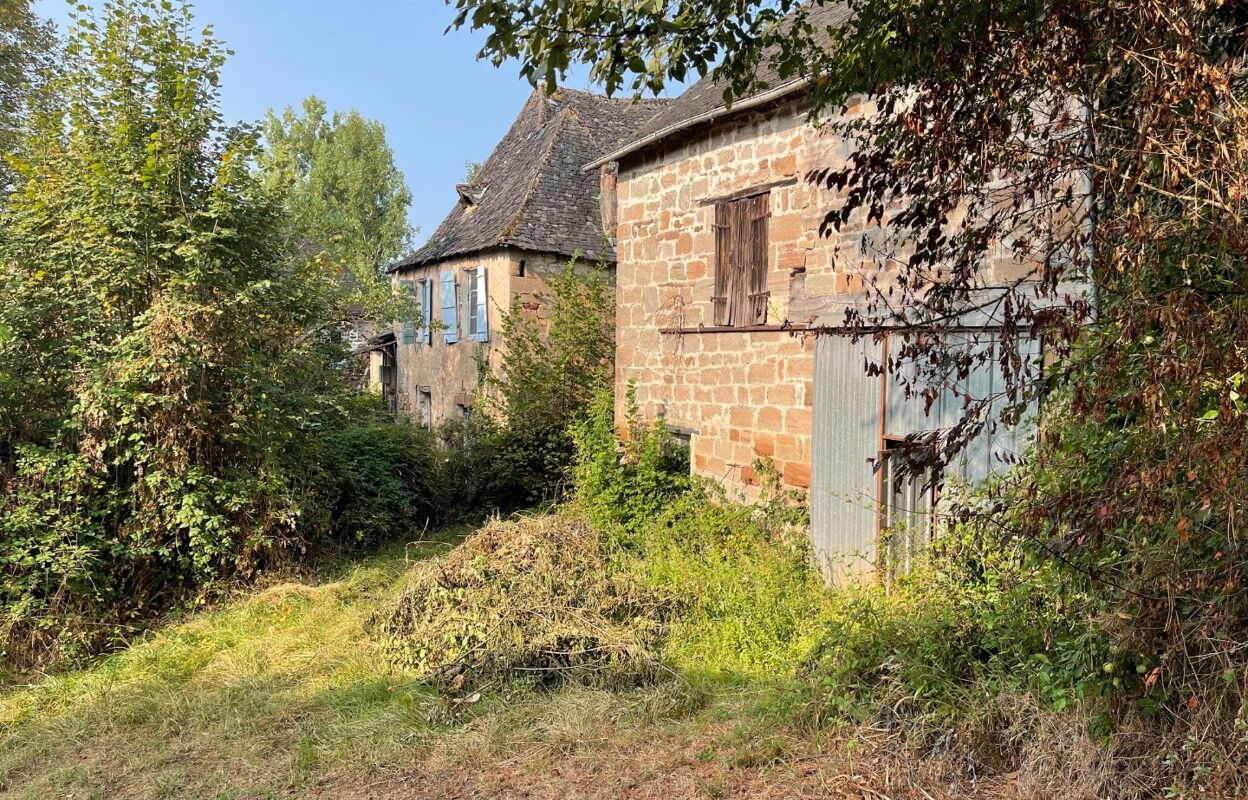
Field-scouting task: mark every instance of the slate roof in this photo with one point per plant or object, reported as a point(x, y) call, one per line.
point(703, 102)
point(533, 192)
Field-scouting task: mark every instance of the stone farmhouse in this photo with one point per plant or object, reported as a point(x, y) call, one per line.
point(722, 278)
point(529, 211)
point(727, 298)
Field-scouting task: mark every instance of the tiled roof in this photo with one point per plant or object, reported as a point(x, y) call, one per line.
point(704, 101)
point(532, 192)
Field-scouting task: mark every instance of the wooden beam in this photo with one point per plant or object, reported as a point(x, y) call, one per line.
point(782, 328)
point(750, 192)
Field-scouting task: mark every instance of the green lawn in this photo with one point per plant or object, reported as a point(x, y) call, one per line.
point(281, 693)
point(262, 694)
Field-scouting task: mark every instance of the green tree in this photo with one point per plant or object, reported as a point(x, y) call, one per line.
point(27, 47)
point(344, 198)
point(554, 364)
point(163, 357)
point(520, 451)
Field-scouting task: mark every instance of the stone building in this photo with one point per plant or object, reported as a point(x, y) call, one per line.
point(722, 280)
point(529, 211)
point(717, 232)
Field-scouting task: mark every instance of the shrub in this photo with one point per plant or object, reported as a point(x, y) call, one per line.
point(744, 574)
point(988, 646)
point(554, 363)
point(474, 467)
point(750, 595)
point(625, 483)
point(976, 616)
point(375, 478)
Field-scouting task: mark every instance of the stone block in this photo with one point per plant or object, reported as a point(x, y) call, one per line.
point(797, 473)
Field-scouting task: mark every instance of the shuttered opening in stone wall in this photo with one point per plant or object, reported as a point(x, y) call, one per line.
point(741, 261)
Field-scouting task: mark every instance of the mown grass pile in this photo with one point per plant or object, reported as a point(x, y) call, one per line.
point(539, 599)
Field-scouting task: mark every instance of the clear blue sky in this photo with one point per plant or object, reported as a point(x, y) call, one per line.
point(389, 60)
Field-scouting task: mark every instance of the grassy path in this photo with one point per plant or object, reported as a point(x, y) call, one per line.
point(282, 694)
point(269, 692)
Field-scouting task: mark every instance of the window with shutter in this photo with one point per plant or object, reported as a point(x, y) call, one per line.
point(407, 335)
point(426, 310)
point(477, 296)
point(741, 294)
point(450, 312)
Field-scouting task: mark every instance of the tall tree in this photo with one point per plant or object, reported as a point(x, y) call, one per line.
point(27, 46)
point(345, 198)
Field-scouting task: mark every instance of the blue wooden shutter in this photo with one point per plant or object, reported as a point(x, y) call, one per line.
point(426, 310)
point(450, 321)
point(408, 333)
point(481, 328)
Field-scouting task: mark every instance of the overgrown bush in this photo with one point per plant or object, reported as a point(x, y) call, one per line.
point(518, 452)
point(750, 595)
point(475, 458)
point(554, 361)
point(993, 642)
point(374, 478)
point(173, 417)
point(625, 483)
point(744, 574)
point(975, 616)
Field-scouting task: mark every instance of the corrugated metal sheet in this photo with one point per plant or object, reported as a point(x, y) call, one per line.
point(847, 436)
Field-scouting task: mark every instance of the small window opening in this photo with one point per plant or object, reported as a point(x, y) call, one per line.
point(520, 269)
point(905, 510)
point(424, 401)
point(678, 449)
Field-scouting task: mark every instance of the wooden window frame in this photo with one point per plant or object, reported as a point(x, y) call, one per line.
point(448, 297)
point(476, 304)
point(742, 255)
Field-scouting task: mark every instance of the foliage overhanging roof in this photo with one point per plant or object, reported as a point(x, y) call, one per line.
point(703, 103)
